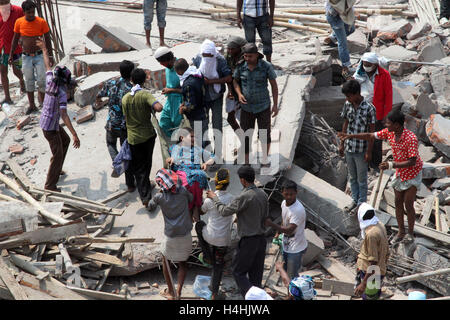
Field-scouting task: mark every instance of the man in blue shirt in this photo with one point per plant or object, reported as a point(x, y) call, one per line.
point(115, 122)
point(250, 83)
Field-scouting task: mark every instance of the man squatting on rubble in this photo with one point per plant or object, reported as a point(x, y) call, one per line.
point(359, 117)
point(9, 15)
point(376, 88)
point(54, 107)
point(28, 29)
point(408, 165)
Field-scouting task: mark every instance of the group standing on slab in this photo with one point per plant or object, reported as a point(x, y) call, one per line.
point(241, 78)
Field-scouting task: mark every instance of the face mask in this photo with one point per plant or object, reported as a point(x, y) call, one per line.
point(369, 69)
point(5, 11)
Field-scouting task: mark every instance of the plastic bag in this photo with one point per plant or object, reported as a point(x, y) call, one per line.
point(302, 288)
point(201, 287)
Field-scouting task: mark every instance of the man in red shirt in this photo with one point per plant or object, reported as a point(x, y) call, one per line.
point(408, 165)
point(9, 14)
point(376, 88)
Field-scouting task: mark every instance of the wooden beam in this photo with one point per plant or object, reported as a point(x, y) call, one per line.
point(339, 287)
point(422, 275)
point(437, 214)
point(21, 177)
point(53, 234)
point(96, 256)
point(426, 213)
point(11, 228)
point(10, 282)
point(336, 269)
point(98, 294)
point(114, 196)
point(80, 240)
point(385, 176)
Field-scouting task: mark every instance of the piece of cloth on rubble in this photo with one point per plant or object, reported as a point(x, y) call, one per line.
point(191, 71)
point(363, 224)
point(122, 161)
point(344, 8)
point(168, 181)
point(255, 293)
point(208, 65)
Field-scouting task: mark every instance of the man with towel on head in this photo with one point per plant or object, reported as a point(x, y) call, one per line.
point(376, 88)
point(216, 74)
point(373, 256)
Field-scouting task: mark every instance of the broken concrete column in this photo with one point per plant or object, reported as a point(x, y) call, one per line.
point(326, 201)
point(432, 51)
point(394, 30)
point(327, 102)
point(86, 92)
point(425, 106)
point(438, 131)
point(419, 29)
point(315, 247)
point(114, 39)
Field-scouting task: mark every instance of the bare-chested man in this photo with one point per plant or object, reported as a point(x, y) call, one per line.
point(30, 28)
point(9, 15)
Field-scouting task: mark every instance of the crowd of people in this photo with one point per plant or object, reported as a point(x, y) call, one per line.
point(241, 78)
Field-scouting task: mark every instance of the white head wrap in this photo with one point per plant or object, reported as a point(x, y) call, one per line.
point(255, 293)
point(363, 224)
point(160, 52)
point(192, 70)
point(370, 57)
point(208, 66)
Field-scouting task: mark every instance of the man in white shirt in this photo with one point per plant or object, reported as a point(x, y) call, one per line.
point(257, 17)
point(293, 229)
point(215, 235)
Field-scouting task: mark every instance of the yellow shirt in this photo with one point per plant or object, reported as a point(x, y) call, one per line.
point(375, 248)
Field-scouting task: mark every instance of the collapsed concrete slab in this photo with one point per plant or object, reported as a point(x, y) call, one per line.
point(93, 63)
point(376, 22)
point(114, 39)
point(417, 126)
point(398, 29)
point(357, 41)
point(325, 200)
point(419, 29)
point(327, 102)
point(425, 106)
point(440, 80)
point(435, 171)
point(432, 51)
point(397, 52)
point(438, 131)
point(315, 247)
point(88, 89)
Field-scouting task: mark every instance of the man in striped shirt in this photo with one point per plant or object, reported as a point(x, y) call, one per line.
point(257, 17)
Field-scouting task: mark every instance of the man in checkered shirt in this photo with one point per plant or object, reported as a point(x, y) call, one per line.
point(359, 117)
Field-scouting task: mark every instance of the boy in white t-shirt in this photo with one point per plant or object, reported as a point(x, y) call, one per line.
point(215, 235)
point(293, 229)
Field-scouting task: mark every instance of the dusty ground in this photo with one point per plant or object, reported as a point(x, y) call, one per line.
point(89, 167)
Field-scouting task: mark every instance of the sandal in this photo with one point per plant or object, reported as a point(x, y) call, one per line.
point(397, 239)
point(165, 293)
point(350, 207)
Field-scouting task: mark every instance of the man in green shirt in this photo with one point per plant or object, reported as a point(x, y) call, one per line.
point(137, 107)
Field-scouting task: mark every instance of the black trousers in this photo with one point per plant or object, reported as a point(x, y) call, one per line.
point(213, 254)
point(249, 260)
point(377, 152)
point(140, 167)
point(111, 143)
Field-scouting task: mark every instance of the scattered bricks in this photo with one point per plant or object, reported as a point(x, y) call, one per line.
point(417, 126)
point(85, 114)
point(357, 41)
point(394, 30)
point(78, 50)
point(419, 29)
point(442, 183)
point(16, 148)
point(438, 131)
point(103, 102)
point(400, 42)
point(432, 51)
point(425, 106)
point(33, 161)
point(86, 92)
point(23, 121)
point(374, 22)
point(114, 39)
point(435, 171)
point(315, 247)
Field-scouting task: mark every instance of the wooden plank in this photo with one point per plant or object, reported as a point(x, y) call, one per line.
point(81, 240)
point(98, 294)
point(437, 214)
point(89, 206)
point(11, 228)
point(10, 282)
point(98, 257)
point(339, 287)
point(31, 293)
point(21, 177)
point(336, 269)
point(384, 180)
point(444, 224)
point(426, 213)
point(114, 196)
point(53, 234)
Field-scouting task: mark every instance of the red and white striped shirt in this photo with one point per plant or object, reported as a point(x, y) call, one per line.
point(403, 150)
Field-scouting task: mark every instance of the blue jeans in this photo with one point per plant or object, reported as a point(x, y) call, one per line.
point(34, 70)
point(357, 173)
point(293, 263)
point(340, 33)
point(161, 8)
point(265, 32)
